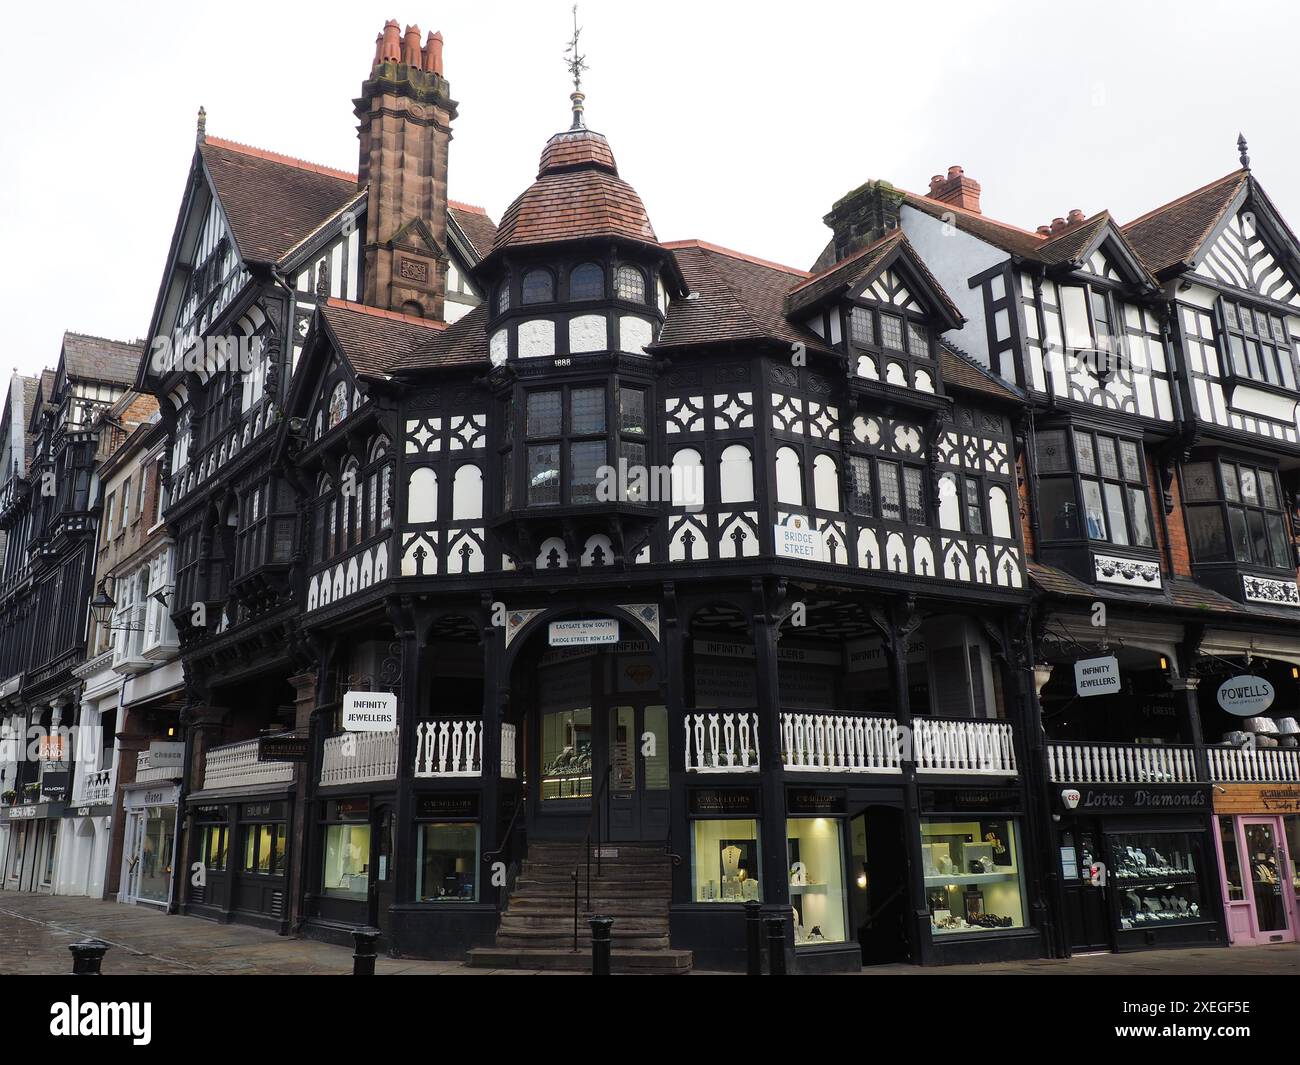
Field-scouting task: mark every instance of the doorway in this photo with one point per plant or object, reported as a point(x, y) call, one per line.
point(1087, 916)
point(879, 885)
point(596, 742)
point(1258, 879)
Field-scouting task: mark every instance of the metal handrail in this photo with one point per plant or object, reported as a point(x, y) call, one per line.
point(593, 822)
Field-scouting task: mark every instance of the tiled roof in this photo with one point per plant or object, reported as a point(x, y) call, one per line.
point(474, 222)
point(577, 194)
point(97, 359)
point(375, 342)
point(852, 270)
point(1172, 234)
point(959, 370)
point(732, 298)
point(1002, 235)
point(1069, 246)
point(463, 343)
point(272, 201)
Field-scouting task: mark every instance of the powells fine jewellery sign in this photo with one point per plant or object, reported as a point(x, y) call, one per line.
point(1245, 696)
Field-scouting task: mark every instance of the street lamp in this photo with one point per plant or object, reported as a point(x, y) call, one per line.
point(103, 605)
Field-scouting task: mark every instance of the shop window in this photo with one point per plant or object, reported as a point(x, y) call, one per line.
point(1258, 345)
point(1235, 513)
point(264, 849)
point(566, 754)
point(347, 861)
point(973, 876)
point(1291, 830)
point(447, 863)
point(1105, 499)
point(814, 848)
point(724, 861)
point(214, 848)
point(1231, 859)
point(1156, 876)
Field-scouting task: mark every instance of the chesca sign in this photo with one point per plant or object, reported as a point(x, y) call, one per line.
point(369, 712)
point(588, 630)
point(796, 538)
point(1245, 696)
point(1097, 676)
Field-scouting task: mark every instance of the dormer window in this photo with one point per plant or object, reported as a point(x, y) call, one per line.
point(538, 287)
point(1259, 345)
point(629, 284)
point(587, 282)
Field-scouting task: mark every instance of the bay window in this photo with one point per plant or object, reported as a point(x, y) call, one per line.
point(565, 430)
point(1092, 486)
point(1235, 513)
point(1259, 346)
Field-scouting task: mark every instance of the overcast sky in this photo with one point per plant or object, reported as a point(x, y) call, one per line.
point(739, 123)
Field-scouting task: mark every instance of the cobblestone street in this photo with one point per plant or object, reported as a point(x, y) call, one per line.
point(35, 931)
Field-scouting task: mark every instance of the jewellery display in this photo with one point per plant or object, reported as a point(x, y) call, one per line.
point(1158, 872)
point(972, 876)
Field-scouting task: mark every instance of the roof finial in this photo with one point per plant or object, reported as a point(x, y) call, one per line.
point(201, 132)
point(1241, 147)
point(576, 63)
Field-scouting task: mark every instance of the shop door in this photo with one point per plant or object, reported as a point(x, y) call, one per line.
point(134, 841)
point(879, 894)
point(1087, 921)
point(381, 882)
point(638, 772)
point(1266, 860)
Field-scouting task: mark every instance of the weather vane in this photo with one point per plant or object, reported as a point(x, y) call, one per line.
point(577, 63)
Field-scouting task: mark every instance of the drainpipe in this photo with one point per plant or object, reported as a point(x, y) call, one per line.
point(174, 892)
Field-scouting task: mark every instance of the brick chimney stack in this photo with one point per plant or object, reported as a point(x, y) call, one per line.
point(956, 189)
point(404, 116)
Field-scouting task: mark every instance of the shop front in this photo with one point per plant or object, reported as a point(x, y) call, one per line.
point(149, 850)
point(1258, 840)
point(244, 850)
point(31, 856)
point(1136, 866)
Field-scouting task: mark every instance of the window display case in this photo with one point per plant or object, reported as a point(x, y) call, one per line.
point(724, 861)
point(974, 881)
point(815, 850)
point(1156, 877)
point(447, 862)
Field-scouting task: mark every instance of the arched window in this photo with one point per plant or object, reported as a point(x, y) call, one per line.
point(629, 284)
point(949, 503)
point(999, 513)
point(587, 282)
point(688, 478)
point(422, 495)
point(826, 483)
point(736, 475)
point(789, 477)
point(538, 287)
point(467, 494)
point(503, 297)
point(338, 404)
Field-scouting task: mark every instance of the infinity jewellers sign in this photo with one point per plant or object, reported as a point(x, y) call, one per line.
point(369, 712)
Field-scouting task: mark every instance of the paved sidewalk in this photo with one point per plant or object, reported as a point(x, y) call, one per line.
point(35, 931)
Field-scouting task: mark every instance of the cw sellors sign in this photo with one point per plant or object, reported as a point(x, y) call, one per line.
point(370, 712)
point(1245, 696)
point(1096, 676)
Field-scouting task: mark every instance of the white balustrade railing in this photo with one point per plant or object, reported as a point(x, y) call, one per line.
point(146, 771)
point(963, 747)
point(508, 751)
point(356, 757)
point(722, 741)
point(449, 749)
point(94, 786)
point(1236, 765)
point(1120, 763)
point(840, 743)
point(236, 766)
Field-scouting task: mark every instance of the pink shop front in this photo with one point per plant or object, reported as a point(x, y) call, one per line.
point(1257, 833)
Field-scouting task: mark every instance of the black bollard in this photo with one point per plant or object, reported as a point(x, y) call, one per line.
point(363, 958)
point(87, 957)
point(601, 941)
point(754, 937)
point(775, 945)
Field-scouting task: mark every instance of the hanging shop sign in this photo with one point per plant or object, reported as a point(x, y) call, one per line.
point(584, 631)
point(1245, 696)
point(369, 712)
point(166, 754)
point(54, 784)
point(283, 748)
point(1096, 676)
point(1136, 799)
point(719, 802)
point(816, 801)
point(796, 538)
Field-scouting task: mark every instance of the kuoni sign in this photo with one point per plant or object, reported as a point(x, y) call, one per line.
point(370, 712)
point(1245, 696)
point(1097, 676)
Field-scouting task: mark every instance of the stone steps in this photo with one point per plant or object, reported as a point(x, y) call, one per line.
point(642, 962)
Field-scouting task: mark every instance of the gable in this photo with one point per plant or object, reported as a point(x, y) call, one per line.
point(1098, 264)
point(1241, 258)
point(889, 287)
